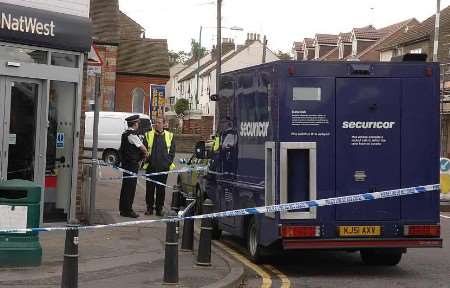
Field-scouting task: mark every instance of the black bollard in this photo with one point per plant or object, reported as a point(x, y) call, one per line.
point(204, 244)
point(171, 253)
point(70, 266)
point(187, 240)
point(175, 205)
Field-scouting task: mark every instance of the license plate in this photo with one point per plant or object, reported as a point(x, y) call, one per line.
point(353, 231)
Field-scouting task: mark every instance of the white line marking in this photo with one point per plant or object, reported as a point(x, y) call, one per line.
point(446, 217)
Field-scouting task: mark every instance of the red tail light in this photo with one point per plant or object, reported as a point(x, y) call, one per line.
point(291, 71)
point(422, 230)
point(300, 231)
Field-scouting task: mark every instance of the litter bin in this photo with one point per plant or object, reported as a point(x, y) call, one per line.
point(20, 208)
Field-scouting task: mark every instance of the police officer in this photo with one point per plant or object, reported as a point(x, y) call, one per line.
point(131, 151)
point(161, 153)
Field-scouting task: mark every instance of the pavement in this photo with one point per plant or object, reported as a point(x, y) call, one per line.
point(122, 257)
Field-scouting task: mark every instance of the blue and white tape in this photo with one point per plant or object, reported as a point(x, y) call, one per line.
point(147, 176)
point(256, 210)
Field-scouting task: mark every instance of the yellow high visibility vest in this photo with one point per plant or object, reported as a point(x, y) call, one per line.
point(150, 136)
point(216, 144)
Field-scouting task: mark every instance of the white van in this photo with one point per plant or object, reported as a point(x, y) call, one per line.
point(111, 125)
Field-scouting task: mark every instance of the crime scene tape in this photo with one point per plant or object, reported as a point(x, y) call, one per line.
point(146, 176)
point(255, 210)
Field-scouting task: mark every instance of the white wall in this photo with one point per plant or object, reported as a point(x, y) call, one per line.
point(171, 85)
point(72, 7)
point(181, 88)
point(386, 55)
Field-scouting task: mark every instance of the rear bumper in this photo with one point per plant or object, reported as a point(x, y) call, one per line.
point(290, 244)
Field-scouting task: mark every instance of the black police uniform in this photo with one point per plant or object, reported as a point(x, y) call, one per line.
point(130, 155)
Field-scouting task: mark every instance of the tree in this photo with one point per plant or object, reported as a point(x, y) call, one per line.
point(196, 50)
point(181, 106)
point(178, 57)
point(283, 56)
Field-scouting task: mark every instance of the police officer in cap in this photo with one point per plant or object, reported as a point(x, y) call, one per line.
point(131, 151)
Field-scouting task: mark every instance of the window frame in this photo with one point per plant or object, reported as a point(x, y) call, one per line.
point(132, 99)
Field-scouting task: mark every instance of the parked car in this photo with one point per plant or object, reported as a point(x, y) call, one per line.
point(111, 125)
point(194, 182)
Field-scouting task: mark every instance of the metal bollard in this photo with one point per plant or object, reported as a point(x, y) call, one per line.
point(70, 266)
point(187, 240)
point(171, 253)
point(204, 244)
point(175, 205)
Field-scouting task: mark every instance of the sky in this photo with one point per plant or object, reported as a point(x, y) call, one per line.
point(282, 21)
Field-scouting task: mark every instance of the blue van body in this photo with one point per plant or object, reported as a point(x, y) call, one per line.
point(293, 131)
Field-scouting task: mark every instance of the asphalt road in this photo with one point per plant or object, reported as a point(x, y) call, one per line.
point(418, 268)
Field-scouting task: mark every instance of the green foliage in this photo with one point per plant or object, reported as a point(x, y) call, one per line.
point(181, 106)
point(283, 56)
point(178, 57)
point(196, 50)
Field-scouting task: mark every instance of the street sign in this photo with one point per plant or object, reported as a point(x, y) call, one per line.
point(60, 140)
point(444, 165)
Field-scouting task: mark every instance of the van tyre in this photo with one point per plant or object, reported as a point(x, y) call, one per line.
point(253, 247)
point(111, 157)
point(381, 257)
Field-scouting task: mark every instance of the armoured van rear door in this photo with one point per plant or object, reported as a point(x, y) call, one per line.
point(307, 145)
point(368, 145)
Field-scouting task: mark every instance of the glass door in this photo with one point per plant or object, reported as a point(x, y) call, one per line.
point(19, 120)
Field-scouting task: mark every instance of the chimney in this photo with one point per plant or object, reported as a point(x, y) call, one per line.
point(213, 52)
point(228, 45)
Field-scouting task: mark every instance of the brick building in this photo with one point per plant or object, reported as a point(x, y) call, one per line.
point(126, 64)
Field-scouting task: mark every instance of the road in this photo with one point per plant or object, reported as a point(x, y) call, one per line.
point(418, 268)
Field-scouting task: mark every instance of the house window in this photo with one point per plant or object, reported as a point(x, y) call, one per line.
point(138, 96)
point(416, 51)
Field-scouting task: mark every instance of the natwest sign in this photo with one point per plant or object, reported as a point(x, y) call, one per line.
point(44, 28)
point(26, 24)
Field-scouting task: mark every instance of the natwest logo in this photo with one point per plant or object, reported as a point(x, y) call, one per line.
point(254, 129)
point(367, 125)
point(26, 24)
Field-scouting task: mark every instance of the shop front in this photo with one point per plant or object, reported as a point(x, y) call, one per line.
point(41, 72)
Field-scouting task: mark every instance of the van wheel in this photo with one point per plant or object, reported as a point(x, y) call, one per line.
point(253, 247)
point(111, 157)
point(381, 257)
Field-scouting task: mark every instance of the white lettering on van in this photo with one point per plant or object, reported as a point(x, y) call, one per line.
point(367, 125)
point(254, 129)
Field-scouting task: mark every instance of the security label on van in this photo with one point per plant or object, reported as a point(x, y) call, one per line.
point(254, 129)
point(60, 140)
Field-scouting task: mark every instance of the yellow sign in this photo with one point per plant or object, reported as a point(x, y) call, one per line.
point(444, 167)
point(359, 231)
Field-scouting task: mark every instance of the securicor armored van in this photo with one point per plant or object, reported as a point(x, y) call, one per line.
point(298, 131)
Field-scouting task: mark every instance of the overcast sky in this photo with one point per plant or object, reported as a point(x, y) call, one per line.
point(283, 21)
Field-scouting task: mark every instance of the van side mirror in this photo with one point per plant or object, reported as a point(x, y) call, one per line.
point(213, 97)
point(200, 150)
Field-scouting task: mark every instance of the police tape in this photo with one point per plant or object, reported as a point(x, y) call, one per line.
point(255, 210)
point(147, 176)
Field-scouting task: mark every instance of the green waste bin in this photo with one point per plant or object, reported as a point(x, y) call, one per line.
point(20, 202)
